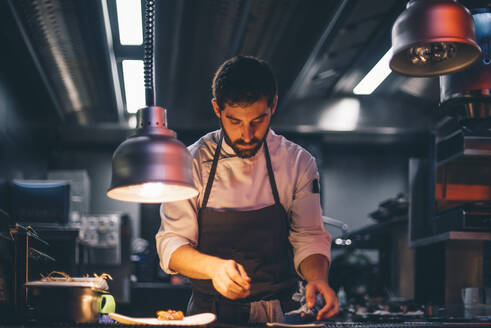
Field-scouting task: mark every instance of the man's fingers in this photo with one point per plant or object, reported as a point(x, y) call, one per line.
point(329, 297)
point(234, 291)
point(331, 307)
point(230, 284)
point(234, 288)
point(322, 312)
point(235, 275)
point(333, 310)
point(231, 280)
point(243, 273)
point(326, 308)
point(310, 295)
point(228, 288)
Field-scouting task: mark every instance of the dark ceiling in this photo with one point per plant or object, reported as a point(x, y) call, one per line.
point(59, 60)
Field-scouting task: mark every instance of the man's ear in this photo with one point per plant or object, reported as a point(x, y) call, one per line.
point(275, 102)
point(216, 109)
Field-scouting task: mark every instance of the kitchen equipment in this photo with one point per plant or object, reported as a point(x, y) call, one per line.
point(105, 241)
point(79, 300)
point(194, 320)
point(22, 257)
point(433, 37)
point(151, 166)
point(477, 302)
point(79, 192)
point(469, 216)
point(390, 208)
point(101, 236)
point(343, 239)
point(6, 263)
point(467, 94)
point(40, 202)
point(476, 295)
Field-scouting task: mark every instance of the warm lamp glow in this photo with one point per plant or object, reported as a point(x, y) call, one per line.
point(152, 192)
point(151, 189)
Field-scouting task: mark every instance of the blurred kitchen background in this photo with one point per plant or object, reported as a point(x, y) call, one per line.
point(71, 82)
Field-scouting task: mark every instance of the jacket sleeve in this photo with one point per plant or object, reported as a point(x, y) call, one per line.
point(179, 225)
point(307, 233)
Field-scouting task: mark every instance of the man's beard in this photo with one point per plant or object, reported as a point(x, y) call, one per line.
point(244, 153)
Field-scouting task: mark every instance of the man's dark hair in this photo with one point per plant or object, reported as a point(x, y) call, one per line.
point(243, 80)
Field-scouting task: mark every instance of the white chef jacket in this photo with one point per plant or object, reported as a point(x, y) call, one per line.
point(243, 184)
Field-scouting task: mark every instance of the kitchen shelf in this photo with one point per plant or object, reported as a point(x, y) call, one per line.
point(454, 171)
point(457, 146)
point(451, 235)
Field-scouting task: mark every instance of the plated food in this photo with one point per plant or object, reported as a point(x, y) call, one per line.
point(201, 319)
point(170, 315)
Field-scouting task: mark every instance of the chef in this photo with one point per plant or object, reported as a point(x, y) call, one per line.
point(255, 227)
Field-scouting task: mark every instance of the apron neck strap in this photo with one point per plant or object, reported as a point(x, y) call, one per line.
point(271, 174)
point(212, 172)
point(214, 165)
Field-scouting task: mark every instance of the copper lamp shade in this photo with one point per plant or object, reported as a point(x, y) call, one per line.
point(433, 37)
point(467, 93)
point(152, 166)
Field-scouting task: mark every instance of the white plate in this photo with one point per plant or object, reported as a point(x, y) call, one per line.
point(193, 320)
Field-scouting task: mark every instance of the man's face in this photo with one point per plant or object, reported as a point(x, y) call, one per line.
point(245, 126)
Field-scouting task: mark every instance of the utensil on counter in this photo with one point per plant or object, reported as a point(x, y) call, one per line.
point(193, 320)
point(298, 325)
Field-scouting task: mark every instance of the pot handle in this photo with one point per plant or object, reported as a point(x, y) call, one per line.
point(107, 304)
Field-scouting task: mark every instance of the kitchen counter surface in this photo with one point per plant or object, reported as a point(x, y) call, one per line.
point(327, 324)
point(342, 320)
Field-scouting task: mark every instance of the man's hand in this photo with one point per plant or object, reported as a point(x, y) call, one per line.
point(331, 308)
point(230, 279)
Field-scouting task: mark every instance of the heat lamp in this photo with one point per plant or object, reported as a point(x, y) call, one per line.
point(151, 166)
point(433, 37)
